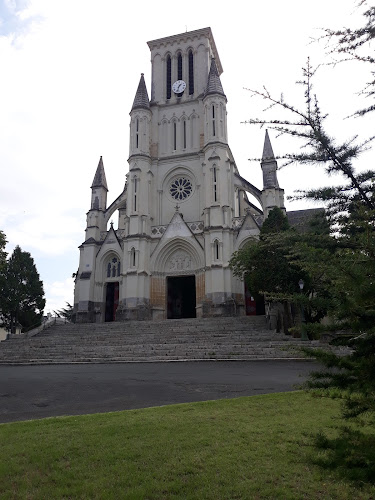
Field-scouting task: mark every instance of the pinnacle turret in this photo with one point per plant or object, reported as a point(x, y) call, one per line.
point(214, 85)
point(269, 165)
point(267, 149)
point(141, 99)
point(99, 179)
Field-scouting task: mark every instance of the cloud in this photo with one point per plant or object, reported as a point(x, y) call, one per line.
point(15, 18)
point(51, 232)
point(58, 293)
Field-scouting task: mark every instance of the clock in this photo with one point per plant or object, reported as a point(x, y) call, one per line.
point(179, 86)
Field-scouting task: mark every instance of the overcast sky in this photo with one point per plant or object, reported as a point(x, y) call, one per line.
point(69, 73)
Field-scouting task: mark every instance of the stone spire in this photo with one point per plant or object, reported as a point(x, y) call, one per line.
point(213, 83)
point(269, 165)
point(141, 99)
point(99, 179)
point(267, 149)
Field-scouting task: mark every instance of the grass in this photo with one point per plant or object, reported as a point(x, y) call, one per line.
point(257, 448)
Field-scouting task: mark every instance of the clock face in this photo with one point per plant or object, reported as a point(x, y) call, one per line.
point(179, 86)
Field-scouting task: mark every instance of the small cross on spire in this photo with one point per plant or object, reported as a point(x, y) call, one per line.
point(177, 207)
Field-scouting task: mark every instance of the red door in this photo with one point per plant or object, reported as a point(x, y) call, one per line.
point(250, 305)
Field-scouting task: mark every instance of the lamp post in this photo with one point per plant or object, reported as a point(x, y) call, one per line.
point(301, 284)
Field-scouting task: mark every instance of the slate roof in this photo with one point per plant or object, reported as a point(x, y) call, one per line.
point(141, 99)
point(300, 219)
point(99, 179)
point(213, 83)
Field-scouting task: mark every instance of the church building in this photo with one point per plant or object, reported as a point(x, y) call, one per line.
point(185, 208)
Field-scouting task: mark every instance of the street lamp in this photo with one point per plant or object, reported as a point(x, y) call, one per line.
point(301, 284)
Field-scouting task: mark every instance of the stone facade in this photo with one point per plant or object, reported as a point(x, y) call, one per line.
point(184, 209)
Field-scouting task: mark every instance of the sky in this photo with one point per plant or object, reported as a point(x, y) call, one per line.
point(69, 73)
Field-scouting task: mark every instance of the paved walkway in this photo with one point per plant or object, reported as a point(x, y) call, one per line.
point(30, 392)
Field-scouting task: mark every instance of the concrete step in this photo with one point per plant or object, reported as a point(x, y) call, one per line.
point(172, 340)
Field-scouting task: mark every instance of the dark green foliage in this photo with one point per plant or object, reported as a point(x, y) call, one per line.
point(22, 298)
point(275, 222)
point(3, 254)
point(271, 269)
point(354, 374)
point(342, 269)
point(264, 263)
point(351, 455)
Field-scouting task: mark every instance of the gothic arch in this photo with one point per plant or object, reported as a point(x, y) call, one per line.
point(102, 266)
point(178, 256)
point(163, 136)
point(194, 131)
point(245, 241)
point(168, 74)
point(157, 55)
point(184, 131)
point(201, 47)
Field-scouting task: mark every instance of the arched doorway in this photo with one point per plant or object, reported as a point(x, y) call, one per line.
point(111, 300)
point(181, 297)
point(253, 305)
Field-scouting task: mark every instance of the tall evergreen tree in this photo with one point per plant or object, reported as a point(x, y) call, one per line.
point(3, 254)
point(345, 260)
point(22, 296)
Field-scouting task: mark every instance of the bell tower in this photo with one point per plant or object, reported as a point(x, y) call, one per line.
point(184, 209)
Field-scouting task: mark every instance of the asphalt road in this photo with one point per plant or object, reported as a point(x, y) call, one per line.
point(30, 392)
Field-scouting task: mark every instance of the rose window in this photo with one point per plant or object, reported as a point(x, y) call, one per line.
point(181, 188)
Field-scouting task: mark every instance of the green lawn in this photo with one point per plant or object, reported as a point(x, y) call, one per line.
point(254, 447)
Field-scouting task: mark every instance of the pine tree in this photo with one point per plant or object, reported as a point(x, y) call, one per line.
point(3, 254)
point(22, 297)
point(350, 44)
point(65, 312)
point(343, 261)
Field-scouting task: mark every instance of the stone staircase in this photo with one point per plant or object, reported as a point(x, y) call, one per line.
point(243, 338)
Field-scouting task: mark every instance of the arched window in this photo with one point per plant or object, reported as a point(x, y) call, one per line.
point(135, 194)
point(214, 182)
point(137, 133)
point(191, 72)
point(213, 121)
point(174, 136)
point(179, 67)
point(169, 77)
point(184, 133)
point(216, 250)
point(132, 257)
point(113, 268)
